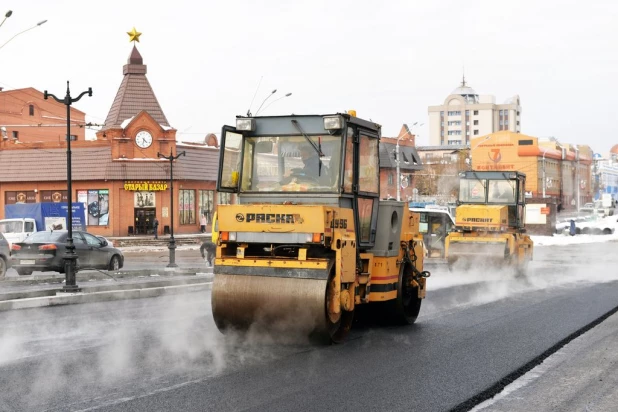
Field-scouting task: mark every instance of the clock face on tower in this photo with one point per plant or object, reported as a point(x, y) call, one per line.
point(143, 139)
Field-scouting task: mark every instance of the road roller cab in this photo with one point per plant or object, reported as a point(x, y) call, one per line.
point(490, 222)
point(309, 239)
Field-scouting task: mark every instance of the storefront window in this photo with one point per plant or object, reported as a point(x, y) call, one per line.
point(224, 198)
point(186, 206)
point(97, 206)
point(206, 199)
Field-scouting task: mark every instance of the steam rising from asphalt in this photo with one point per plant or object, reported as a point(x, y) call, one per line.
point(107, 353)
point(481, 283)
point(125, 352)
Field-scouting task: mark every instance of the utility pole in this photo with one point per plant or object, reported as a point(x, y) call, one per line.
point(172, 243)
point(544, 177)
point(70, 257)
point(577, 176)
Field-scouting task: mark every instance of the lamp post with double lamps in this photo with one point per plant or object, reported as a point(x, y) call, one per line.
point(172, 243)
point(22, 32)
point(276, 100)
point(264, 101)
point(70, 257)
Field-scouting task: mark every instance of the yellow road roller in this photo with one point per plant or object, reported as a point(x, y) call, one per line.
point(490, 223)
point(308, 240)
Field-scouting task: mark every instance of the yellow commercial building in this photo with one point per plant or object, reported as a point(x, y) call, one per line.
point(553, 170)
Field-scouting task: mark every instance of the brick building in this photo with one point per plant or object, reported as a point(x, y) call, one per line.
point(119, 176)
point(26, 117)
point(409, 164)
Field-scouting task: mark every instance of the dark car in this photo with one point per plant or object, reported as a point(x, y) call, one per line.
point(5, 255)
point(44, 252)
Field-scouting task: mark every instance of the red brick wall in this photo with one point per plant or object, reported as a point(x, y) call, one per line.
point(15, 110)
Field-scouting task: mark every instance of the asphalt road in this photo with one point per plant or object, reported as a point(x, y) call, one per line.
point(165, 353)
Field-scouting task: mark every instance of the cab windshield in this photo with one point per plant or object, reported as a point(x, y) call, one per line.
point(291, 164)
point(487, 191)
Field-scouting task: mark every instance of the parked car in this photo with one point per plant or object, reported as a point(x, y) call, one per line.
point(5, 255)
point(44, 251)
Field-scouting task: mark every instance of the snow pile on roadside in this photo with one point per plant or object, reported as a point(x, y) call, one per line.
point(565, 239)
point(142, 249)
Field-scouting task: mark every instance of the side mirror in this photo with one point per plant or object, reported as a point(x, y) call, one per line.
point(103, 243)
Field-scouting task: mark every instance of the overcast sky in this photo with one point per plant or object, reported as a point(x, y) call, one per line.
point(388, 60)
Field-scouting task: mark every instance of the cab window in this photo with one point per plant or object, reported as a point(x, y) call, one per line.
point(369, 171)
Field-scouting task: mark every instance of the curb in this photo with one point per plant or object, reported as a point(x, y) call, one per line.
point(145, 284)
point(88, 275)
point(62, 298)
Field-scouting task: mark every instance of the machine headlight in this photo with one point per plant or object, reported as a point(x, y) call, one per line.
point(232, 236)
point(245, 124)
point(333, 122)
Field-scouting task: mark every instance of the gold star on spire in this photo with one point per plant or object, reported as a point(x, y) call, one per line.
point(134, 35)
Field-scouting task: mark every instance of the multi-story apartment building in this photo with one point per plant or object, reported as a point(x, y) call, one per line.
point(466, 114)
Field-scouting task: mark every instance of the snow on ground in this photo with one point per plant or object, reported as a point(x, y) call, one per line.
point(557, 239)
point(610, 222)
point(141, 249)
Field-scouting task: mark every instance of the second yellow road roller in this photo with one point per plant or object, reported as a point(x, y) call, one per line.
point(307, 240)
point(490, 230)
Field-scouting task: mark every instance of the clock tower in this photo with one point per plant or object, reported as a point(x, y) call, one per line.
point(136, 125)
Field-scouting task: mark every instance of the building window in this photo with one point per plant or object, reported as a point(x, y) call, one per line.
point(518, 113)
point(467, 132)
point(476, 112)
point(454, 113)
point(390, 179)
point(206, 204)
point(442, 133)
point(451, 142)
point(31, 110)
point(186, 207)
point(476, 122)
point(518, 123)
point(73, 137)
point(224, 198)
point(476, 132)
point(467, 112)
point(501, 122)
point(454, 123)
point(441, 114)
point(15, 135)
point(454, 132)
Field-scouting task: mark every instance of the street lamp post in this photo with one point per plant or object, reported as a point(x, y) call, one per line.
point(172, 243)
point(276, 100)
point(70, 257)
point(544, 178)
point(477, 145)
point(577, 176)
point(21, 32)
point(264, 101)
point(6, 16)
